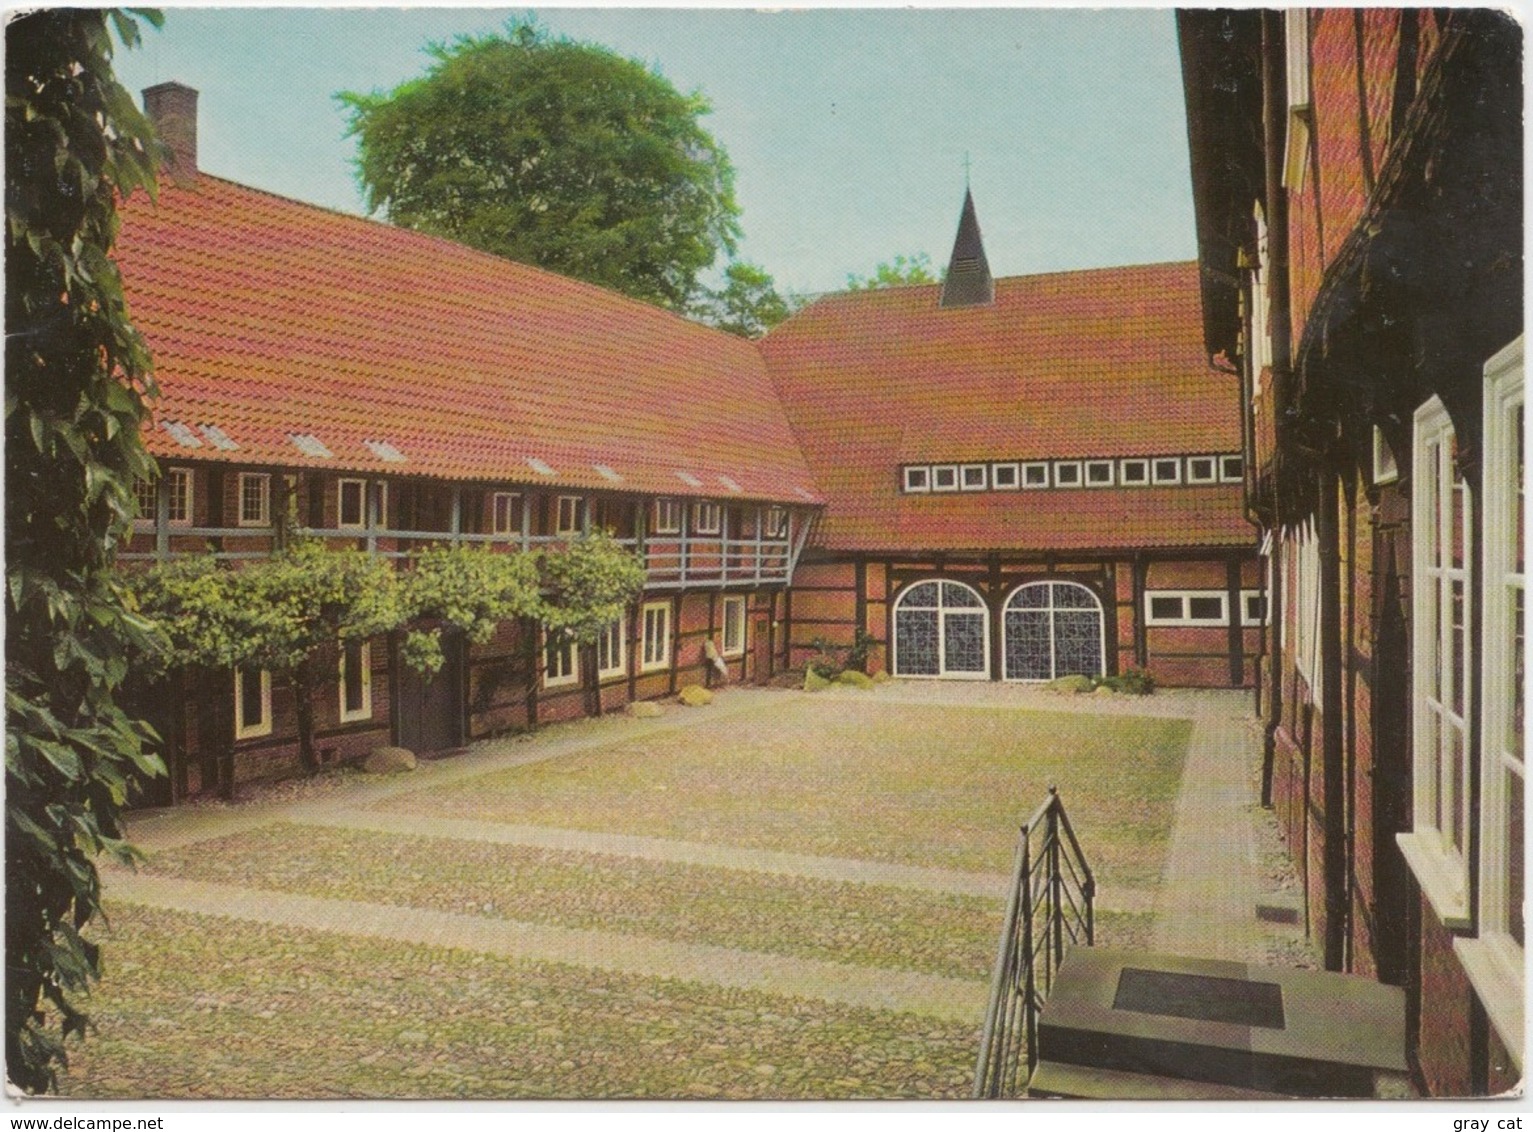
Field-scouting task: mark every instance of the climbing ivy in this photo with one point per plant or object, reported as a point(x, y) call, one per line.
point(77, 375)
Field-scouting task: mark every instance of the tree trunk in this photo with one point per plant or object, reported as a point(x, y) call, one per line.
point(303, 707)
point(223, 724)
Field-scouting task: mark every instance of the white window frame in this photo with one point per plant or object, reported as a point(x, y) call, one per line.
point(1306, 608)
point(656, 630)
point(1225, 475)
point(1062, 467)
point(707, 518)
point(1140, 462)
point(612, 646)
point(775, 523)
point(917, 479)
point(667, 517)
point(1097, 465)
point(365, 661)
point(570, 515)
point(943, 611)
point(1185, 618)
point(1213, 469)
point(1246, 598)
point(733, 617)
point(340, 504)
point(261, 727)
point(1296, 144)
point(505, 505)
point(944, 471)
point(1494, 960)
point(980, 474)
point(183, 477)
point(1441, 868)
point(1051, 611)
point(1011, 471)
point(1041, 469)
point(1261, 306)
point(1155, 467)
point(263, 480)
point(566, 672)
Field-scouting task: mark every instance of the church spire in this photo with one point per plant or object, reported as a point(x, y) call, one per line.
point(968, 282)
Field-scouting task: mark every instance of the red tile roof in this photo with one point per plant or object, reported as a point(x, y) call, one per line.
point(267, 317)
point(1081, 364)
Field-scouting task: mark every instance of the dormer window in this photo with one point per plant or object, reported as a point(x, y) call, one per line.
point(1035, 475)
point(1202, 469)
point(974, 477)
point(1005, 477)
point(945, 477)
point(1099, 473)
point(1067, 473)
point(1134, 473)
point(917, 480)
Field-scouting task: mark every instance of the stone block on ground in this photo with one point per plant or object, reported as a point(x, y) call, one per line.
point(389, 760)
point(645, 709)
point(855, 679)
point(695, 695)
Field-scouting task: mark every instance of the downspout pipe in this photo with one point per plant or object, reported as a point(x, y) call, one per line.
point(1333, 772)
point(1274, 140)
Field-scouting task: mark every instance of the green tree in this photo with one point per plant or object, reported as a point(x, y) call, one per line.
point(748, 304)
point(588, 585)
point(554, 153)
point(902, 271)
point(76, 378)
point(469, 589)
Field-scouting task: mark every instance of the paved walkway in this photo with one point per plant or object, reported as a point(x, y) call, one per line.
point(1206, 904)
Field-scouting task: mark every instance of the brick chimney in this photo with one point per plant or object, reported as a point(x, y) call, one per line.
point(172, 107)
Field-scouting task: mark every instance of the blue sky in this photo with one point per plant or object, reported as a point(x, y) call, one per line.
point(847, 128)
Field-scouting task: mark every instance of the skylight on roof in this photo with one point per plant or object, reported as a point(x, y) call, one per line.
point(731, 485)
point(182, 435)
point(385, 451)
point(805, 494)
point(310, 445)
point(540, 467)
point(689, 479)
point(219, 438)
point(607, 473)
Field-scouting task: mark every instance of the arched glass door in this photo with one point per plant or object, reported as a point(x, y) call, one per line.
point(942, 629)
point(1052, 629)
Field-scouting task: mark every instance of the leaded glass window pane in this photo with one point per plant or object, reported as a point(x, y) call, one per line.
point(1027, 645)
point(915, 635)
point(1077, 643)
point(1073, 597)
point(1030, 597)
point(963, 641)
point(960, 597)
point(923, 595)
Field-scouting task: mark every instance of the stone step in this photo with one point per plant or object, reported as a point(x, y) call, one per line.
point(1269, 1029)
point(1055, 1079)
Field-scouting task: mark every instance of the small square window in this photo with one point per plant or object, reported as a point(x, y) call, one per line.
point(1167, 470)
point(572, 514)
point(351, 510)
point(705, 518)
point(917, 480)
point(1035, 475)
point(1253, 607)
point(945, 477)
point(1201, 469)
point(1005, 477)
point(255, 499)
point(667, 517)
point(1099, 473)
point(1067, 474)
point(506, 518)
point(974, 477)
point(1231, 469)
point(1134, 472)
point(1205, 608)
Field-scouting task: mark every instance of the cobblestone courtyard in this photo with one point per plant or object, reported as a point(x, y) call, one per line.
point(776, 896)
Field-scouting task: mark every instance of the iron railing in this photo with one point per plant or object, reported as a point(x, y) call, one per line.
point(1048, 909)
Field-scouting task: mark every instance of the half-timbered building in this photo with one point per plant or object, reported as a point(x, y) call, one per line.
point(1358, 186)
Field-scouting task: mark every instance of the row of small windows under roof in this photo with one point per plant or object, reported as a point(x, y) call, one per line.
point(1034, 475)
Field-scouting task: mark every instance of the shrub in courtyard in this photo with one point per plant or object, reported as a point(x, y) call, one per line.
point(1131, 681)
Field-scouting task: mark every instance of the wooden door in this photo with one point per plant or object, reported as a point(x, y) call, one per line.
point(428, 710)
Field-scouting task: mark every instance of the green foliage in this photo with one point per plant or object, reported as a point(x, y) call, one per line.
point(747, 305)
point(825, 663)
point(1131, 681)
point(831, 660)
point(471, 589)
point(76, 374)
point(554, 153)
point(903, 271)
point(588, 585)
